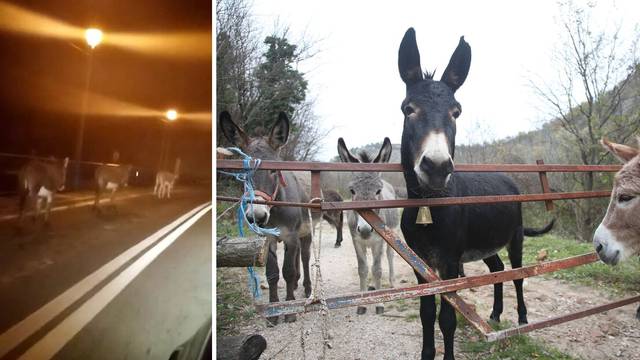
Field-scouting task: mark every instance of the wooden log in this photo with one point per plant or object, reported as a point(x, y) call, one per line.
point(243, 347)
point(240, 251)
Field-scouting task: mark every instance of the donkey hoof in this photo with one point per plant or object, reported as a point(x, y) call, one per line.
point(272, 321)
point(371, 288)
point(289, 318)
point(361, 310)
point(307, 292)
point(379, 310)
point(638, 314)
point(494, 317)
point(337, 245)
point(523, 321)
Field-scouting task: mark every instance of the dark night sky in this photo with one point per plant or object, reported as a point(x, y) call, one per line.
point(35, 71)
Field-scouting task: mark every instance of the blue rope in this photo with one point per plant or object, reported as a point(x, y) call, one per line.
point(248, 196)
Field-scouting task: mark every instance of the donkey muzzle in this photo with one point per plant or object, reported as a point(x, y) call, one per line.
point(434, 174)
point(608, 248)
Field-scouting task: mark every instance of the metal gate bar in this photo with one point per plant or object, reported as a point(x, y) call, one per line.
point(497, 335)
point(434, 288)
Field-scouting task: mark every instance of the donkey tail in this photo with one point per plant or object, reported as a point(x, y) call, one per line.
point(538, 232)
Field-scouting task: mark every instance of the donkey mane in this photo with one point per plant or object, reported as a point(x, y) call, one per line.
point(430, 75)
point(365, 157)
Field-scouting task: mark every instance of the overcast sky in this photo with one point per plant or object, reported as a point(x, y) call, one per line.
point(355, 76)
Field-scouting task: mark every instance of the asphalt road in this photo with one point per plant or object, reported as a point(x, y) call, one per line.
point(128, 284)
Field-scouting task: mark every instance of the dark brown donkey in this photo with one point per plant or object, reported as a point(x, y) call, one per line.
point(110, 178)
point(39, 181)
point(459, 233)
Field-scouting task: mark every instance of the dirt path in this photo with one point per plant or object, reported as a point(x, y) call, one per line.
point(398, 335)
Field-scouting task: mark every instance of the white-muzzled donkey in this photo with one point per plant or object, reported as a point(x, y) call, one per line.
point(111, 178)
point(39, 181)
point(165, 181)
point(370, 186)
point(618, 236)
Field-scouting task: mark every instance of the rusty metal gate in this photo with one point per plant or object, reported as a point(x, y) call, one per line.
point(434, 285)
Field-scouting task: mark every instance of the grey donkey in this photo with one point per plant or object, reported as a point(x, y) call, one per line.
point(39, 181)
point(370, 186)
point(109, 177)
point(293, 222)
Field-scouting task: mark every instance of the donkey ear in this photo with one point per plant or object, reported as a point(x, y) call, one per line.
point(409, 59)
point(385, 152)
point(231, 131)
point(344, 153)
point(456, 72)
point(623, 153)
point(279, 132)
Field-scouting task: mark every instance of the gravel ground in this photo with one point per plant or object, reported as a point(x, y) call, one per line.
point(398, 335)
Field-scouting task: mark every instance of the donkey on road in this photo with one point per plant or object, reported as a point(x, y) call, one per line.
point(370, 186)
point(165, 181)
point(39, 181)
point(461, 233)
point(111, 178)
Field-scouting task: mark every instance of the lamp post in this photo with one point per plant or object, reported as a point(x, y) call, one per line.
point(93, 38)
point(170, 116)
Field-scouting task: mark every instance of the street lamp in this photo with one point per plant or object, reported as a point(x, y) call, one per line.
point(171, 115)
point(93, 38)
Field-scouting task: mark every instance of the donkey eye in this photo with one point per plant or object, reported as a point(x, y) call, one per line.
point(408, 110)
point(625, 198)
point(378, 191)
point(352, 192)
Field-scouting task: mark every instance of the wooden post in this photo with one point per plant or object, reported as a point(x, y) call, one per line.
point(240, 251)
point(545, 186)
point(316, 186)
point(243, 347)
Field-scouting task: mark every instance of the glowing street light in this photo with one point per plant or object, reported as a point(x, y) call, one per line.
point(171, 115)
point(93, 37)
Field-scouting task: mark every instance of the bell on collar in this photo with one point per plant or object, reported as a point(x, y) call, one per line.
point(424, 216)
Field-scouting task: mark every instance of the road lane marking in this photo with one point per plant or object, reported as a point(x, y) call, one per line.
point(57, 338)
point(32, 323)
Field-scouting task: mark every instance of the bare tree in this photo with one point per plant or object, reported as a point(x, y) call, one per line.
point(593, 95)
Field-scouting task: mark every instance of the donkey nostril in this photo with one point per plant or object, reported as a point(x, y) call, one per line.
point(427, 164)
point(599, 247)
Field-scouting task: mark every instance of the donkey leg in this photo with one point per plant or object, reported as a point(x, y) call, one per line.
point(305, 248)
point(447, 318)
point(363, 270)
point(515, 256)
point(38, 208)
point(296, 265)
point(339, 229)
point(291, 249)
point(392, 273)
point(495, 264)
point(273, 275)
point(376, 270)
point(428, 321)
point(47, 211)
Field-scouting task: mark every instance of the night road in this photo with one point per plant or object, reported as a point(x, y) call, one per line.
point(133, 284)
